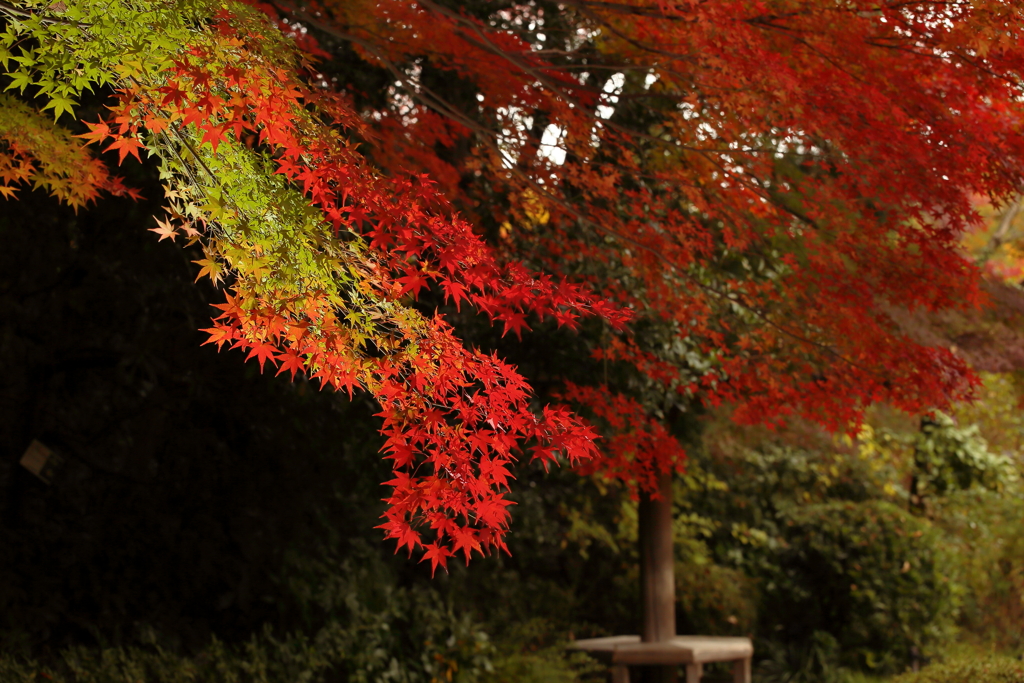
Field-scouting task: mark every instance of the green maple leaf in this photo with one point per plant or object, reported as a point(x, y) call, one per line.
point(19, 79)
point(215, 207)
point(60, 104)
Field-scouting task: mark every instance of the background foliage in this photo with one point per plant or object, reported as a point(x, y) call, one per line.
point(185, 535)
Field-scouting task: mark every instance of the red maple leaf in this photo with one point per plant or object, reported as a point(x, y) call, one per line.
point(290, 361)
point(126, 145)
point(437, 555)
point(98, 132)
point(263, 352)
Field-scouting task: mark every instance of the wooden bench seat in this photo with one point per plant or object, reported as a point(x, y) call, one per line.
point(689, 651)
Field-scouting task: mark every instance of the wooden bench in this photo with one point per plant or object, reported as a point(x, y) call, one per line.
point(691, 651)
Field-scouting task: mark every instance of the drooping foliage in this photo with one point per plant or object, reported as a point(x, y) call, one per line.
point(43, 155)
point(758, 181)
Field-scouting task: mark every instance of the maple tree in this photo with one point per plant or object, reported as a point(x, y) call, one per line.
point(738, 191)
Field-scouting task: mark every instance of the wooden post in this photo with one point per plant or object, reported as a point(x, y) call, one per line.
point(741, 670)
point(657, 570)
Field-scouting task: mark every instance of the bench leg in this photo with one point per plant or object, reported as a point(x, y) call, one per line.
point(620, 673)
point(740, 671)
point(694, 672)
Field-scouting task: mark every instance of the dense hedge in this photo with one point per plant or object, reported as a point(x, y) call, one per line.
point(872, 575)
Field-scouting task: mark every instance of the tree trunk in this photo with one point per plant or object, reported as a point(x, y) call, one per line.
point(657, 570)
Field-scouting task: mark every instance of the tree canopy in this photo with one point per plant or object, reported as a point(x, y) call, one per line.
point(731, 196)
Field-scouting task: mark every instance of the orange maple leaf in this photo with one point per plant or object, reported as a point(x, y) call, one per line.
point(165, 230)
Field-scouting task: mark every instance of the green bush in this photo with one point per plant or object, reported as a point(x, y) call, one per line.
point(334, 654)
point(985, 533)
point(810, 660)
point(872, 576)
point(715, 600)
point(369, 631)
point(991, 669)
point(531, 652)
point(257, 662)
point(548, 665)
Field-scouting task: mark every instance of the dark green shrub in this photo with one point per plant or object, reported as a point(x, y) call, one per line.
point(811, 660)
point(368, 630)
point(355, 654)
point(529, 654)
point(715, 600)
point(872, 576)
